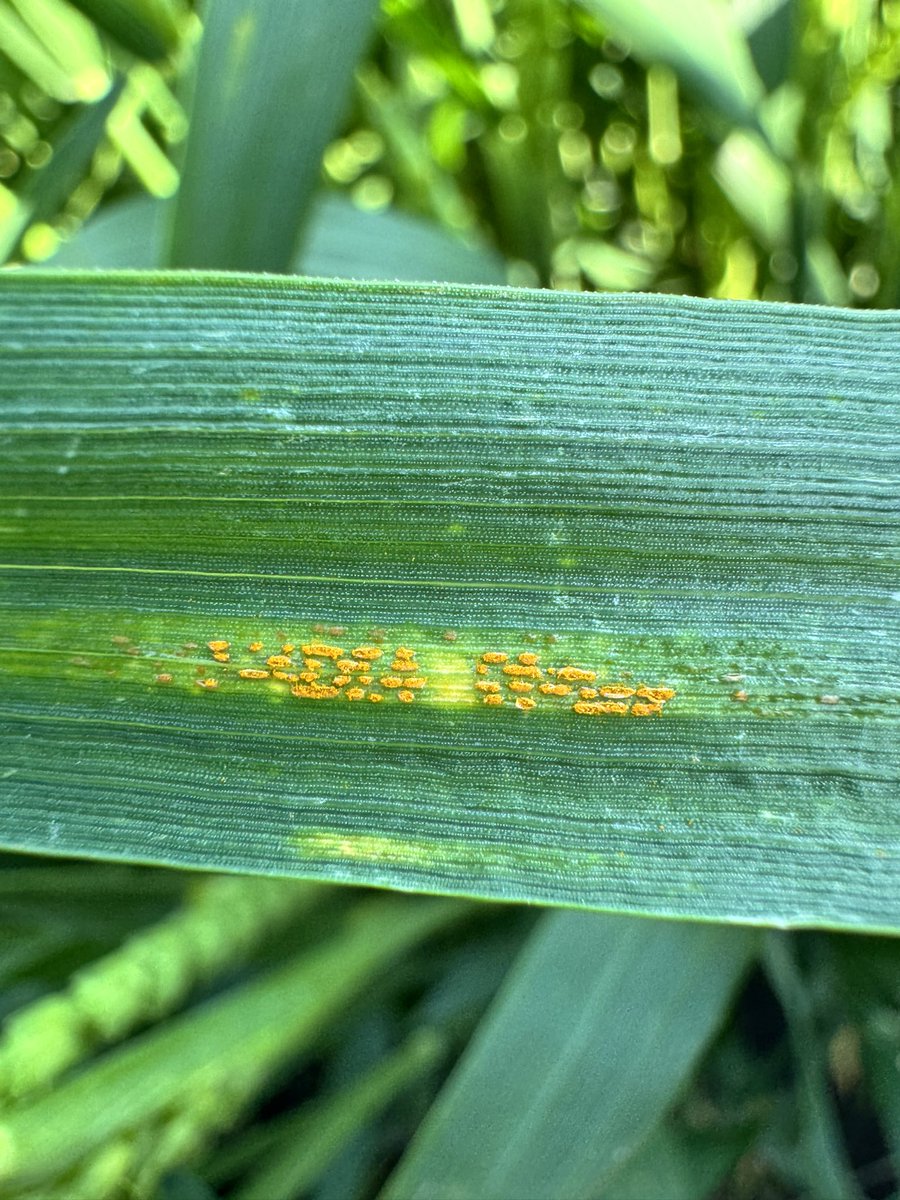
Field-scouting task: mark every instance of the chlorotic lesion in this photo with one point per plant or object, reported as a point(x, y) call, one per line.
point(336, 670)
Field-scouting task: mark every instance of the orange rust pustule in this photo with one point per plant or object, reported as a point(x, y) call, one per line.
point(655, 693)
point(355, 693)
point(494, 656)
point(600, 708)
point(616, 691)
point(209, 684)
point(321, 650)
point(639, 709)
point(519, 685)
point(554, 689)
point(252, 673)
point(218, 645)
point(405, 697)
point(281, 661)
point(529, 672)
point(366, 653)
point(525, 702)
point(528, 660)
point(493, 699)
point(314, 691)
point(486, 685)
point(575, 674)
point(254, 646)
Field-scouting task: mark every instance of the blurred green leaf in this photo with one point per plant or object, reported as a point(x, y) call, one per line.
point(341, 240)
point(826, 1170)
point(588, 1043)
point(700, 39)
point(649, 490)
point(300, 1147)
point(149, 28)
point(675, 1164)
point(272, 81)
point(203, 1066)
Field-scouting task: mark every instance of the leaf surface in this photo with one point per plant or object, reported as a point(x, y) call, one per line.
point(684, 506)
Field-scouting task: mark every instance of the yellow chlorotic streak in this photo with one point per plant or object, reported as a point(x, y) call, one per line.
point(318, 670)
point(337, 846)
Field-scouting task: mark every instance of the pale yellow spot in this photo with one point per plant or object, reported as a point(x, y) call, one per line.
point(210, 684)
point(485, 685)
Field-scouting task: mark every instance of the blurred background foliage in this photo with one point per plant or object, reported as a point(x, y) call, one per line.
point(150, 1013)
point(521, 124)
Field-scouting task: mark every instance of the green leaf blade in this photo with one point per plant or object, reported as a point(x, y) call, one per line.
point(662, 491)
point(271, 84)
point(588, 1044)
